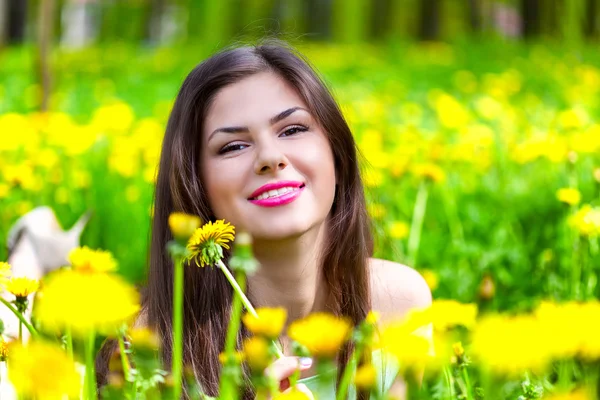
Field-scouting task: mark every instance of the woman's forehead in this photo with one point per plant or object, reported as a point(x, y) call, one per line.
point(251, 101)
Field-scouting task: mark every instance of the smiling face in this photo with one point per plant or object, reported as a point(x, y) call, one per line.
point(258, 137)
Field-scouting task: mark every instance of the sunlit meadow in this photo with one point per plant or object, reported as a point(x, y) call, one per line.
point(482, 171)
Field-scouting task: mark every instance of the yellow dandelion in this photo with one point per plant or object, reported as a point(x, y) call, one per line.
point(293, 394)
point(365, 377)
point(86, 302)
point(22, 287)
point(443, 314)
point(41, 370)
point(144, 338)
point(3, 349)
point(183, 225)
point(568, 196)
point(431, 172)
point(399, 230)
point(256, 353)
point(372, 317)
point(586, 221)
point(269, 322)
point(322, 334)
point(576, 395)
point(207, 243)
point(86, 259)
point(458, 349)
point(238, 357)
point(410, 348)
point(5, 271)
point(431, 278)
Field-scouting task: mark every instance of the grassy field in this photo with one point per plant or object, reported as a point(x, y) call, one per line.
point(464, 152)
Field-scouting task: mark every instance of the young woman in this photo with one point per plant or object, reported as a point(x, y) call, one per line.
point(256, 138)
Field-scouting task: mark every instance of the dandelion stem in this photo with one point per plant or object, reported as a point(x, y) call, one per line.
point(124, 360)
point(69, 341)
point(348, 371)
point(20, 332)
point(449, 382)
point(22, 319)
point(468, 387)
point(416, 225)
point(229, 380)
point(90, 372)
point(243, 298)
point(176, 369)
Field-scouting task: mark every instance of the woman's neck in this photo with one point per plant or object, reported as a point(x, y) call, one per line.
point(290, 274)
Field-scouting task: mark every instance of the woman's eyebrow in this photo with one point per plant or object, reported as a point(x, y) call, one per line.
point(239, 129)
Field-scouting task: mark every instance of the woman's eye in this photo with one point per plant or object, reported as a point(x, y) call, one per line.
point(293, 130)
point(232, 147)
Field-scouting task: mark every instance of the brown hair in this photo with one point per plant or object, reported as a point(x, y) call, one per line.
point(208, 296)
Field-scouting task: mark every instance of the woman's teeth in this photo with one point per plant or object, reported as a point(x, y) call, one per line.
point(274, 193)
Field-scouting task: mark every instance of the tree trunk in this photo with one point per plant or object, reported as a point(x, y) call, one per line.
point(530, 12)
point(430, 19)
point(17, 20)
point(45, 31)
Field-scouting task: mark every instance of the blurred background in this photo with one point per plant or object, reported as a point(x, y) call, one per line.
point(476, 119)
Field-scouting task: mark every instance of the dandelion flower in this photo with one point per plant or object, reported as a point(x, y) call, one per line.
point(22, 287)
point(269, 322)
point(183, 225)
point(322, 334)
point(586, 221)
point(41, 370)
point(256, 353)
point(86, 259)
point(5, 271)
point(568, 196)
point(3, 350)
point(86, 302)
point(365, 377)
point(293, 394)
point(207, 243)
point(431, 172)
point(408, 347)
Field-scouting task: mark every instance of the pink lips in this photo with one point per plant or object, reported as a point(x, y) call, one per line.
point(279, 200)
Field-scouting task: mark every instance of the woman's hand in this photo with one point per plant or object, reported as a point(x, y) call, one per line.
point(284, 367)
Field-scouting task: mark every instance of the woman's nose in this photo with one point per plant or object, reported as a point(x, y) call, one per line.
point(269, 158)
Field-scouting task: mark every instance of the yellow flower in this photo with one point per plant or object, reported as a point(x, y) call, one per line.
point(256, 353)
point(238, 357)
point(399, 230)
point(322, 334)
point(268, 323)
point(431, 172)
point(576, 395)
point(86, 259)
point(511, 345)
point(458, 349)
point(206, 244)
point(431, 278)
point(144, 338)
point(586, 221)
point(183, 225)
point(3, 349)
point(293, 394)
point(5, 271)
point(86, 302)
point(444, 315)
point(410, 348)
point(22, 287)
point(41, 370)
point(365, 377)
point(372, 317)
point(569, 196)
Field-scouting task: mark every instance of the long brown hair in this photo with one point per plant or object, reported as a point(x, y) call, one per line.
point(208, 296)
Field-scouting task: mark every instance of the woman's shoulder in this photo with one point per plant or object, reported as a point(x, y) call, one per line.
point(396, 288)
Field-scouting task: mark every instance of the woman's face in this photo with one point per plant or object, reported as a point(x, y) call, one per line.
point(267, 165)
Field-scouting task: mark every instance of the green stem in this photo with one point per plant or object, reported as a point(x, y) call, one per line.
point(228, 386)
point(20, 332)
point(348, 371)
point(177, 367)
point(416, 226)
point(12, 308)
point(449, 382)
point(237, 289)
point(69, 341)
point(124, 360)
point(90, 372)
point(468, 387)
